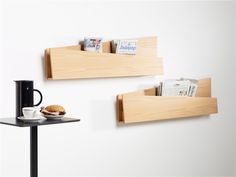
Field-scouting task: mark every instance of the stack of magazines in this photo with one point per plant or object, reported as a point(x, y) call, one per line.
point(178, 87)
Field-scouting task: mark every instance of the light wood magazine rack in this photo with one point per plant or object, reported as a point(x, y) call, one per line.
point(72, 62)
point(144, 105)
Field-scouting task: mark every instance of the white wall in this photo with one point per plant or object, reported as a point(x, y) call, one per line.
point(1, 78)
point(196, 40)
point(234, 89)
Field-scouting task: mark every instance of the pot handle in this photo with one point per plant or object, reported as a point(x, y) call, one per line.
point(41, 97)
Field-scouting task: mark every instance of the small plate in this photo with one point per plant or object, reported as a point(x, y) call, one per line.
point(35, 119)
point(53, 117)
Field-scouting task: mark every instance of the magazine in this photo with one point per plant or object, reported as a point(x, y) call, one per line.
point(193, 86)
point(124, 46)
point(179, 87)
point(93, 44)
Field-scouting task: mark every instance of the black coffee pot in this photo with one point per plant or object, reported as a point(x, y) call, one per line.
point(25, 95)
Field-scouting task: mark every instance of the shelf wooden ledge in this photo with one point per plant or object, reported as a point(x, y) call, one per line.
point(72, 63)
point(144, 106)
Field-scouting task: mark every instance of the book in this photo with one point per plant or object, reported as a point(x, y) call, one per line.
point(93, 44)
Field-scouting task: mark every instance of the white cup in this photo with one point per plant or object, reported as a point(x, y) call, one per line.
point(30, 112)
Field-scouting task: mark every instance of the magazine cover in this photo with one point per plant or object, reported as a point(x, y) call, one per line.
point(93, 44)
point(126, 47)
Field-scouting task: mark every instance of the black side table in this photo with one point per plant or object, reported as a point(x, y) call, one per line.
point(34, 136)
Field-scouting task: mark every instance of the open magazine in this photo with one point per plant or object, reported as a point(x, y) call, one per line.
point(178, 87)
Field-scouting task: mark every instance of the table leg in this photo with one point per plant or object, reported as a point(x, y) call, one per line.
point(34, 151)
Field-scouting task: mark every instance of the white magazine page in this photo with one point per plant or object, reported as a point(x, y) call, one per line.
point(175, 87)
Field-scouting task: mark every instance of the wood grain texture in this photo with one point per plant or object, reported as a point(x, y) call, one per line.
point(145, 92)
point(106, 47)
point(143, 105)
point(148, 108)
point(204, 88)
point(79, 64)
point(71, 62)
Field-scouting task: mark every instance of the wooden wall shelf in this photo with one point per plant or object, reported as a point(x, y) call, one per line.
point(73, 63)
point(145, 106)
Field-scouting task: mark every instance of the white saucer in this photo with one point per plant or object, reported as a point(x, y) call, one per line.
point(30, 119)
point(53, 117)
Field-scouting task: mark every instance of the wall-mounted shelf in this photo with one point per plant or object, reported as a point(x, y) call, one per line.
point(73, 63)
point(145, 106)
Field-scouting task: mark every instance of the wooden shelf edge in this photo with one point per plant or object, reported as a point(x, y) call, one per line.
point(47, 62)
point(150, 108)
